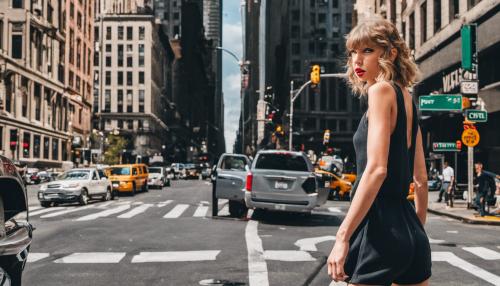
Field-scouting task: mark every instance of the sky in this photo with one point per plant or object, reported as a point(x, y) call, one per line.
point(233, 41)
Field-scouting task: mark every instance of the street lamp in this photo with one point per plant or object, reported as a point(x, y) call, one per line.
point(243, 67)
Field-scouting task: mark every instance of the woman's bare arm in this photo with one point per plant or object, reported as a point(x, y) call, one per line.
point(381, 100)
point(420, 179)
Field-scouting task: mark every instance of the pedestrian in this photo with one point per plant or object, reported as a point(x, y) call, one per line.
point(448, 180)
point(483, 188)
point(382, 239)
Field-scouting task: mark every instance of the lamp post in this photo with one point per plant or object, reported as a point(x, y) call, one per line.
point(243, 67)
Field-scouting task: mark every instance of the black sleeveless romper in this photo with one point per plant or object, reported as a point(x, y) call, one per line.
point(390, 245)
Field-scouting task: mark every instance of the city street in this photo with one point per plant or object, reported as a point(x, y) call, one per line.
point(168, 237)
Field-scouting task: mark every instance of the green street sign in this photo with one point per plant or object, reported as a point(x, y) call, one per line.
point(441, 102)
point(476, 115)
point(444, 147)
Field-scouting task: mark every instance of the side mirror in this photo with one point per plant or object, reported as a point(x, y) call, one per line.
point(247, 168)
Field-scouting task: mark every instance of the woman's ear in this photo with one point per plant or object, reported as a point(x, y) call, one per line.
point(393, 54)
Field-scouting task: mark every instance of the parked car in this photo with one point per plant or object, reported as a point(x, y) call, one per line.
point(284, 181)
point(178, 170)
point(76, 185)
point(230, 175)
point(43, 177)
point(15, 230)
point(158, 177)
point(191, 171)
point(128, 178)
point(434, 184)
point(29, 172)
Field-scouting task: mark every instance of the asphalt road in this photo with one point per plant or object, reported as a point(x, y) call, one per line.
point(167, 237)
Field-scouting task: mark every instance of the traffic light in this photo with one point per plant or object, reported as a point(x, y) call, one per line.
point(326, 137)
point(459, 145)
point(315, 74)
point(13, 139)
point(269, 95)
point(279, 130)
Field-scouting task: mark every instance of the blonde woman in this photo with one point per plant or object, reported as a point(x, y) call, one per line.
point(382, 240)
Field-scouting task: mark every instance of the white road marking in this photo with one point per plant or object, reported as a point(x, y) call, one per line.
point(71, 210)
point(452, 231)
point(466, 266)
point(224, 211)
point(249, 214)
point(208, 183)
point(205, 202)
point(484, 253)
point(32, 208)
point(137, 203)
point(176, 256)
point(436, 241)
point(92, 257)
point(135, 211)
point(288, 255)
point(334, 210)
point(257, 267)
point(34, 256)
point(104, 213)
point(201, 211)
point(338, 283)
point(162, 204)
point(104, 204)
point(309, 244)
point(177, 211)
point(46, 210)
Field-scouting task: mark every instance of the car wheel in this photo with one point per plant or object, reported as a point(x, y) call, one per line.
point(84, 198)
point(168, 183)
point(134, 190)
point(145, 187)
point(107, 196)
point(215, 202)
point(45, 204)
point(237, 209)
point(16, 274)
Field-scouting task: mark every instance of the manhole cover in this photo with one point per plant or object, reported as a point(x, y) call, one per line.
point(221, 282)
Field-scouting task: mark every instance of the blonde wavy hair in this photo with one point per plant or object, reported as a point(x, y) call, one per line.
point(381, 33)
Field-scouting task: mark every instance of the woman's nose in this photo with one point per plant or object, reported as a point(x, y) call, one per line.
point(357, 59)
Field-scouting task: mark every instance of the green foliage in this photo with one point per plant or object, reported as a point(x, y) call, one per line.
point(115, 145)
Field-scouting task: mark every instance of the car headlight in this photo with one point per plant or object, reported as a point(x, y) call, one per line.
point(72, 185)
point(40, 195)
point(43, 187)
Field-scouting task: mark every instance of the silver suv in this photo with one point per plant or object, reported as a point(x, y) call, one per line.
point(283, 181)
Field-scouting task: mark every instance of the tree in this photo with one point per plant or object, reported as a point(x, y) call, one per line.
point(115, 145)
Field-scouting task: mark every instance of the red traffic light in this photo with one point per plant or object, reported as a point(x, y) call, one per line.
point(459, 145)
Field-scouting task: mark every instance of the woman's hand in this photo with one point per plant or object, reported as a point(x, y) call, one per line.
point(336, 261)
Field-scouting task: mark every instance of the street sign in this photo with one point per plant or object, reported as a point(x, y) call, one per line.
point(469, 87)
point(445, 147)
point(470, 137)
point(441, 102)
point(476, 115)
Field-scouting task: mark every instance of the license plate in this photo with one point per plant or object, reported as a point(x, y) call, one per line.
point(279, 207)
point(115, 185)
point(280, 185)
point(327, 184)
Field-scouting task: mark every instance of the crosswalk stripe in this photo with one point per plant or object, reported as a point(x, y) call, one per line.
point(334, 210)
point(104, 213)
point(288, 255)
point(135, 211)
point(33, 208)
point(162, 204)
point(46, 210)
point(92, 257)
point(176, 211)
point(201, 211)
point(466, 266)
point(75, 209)
point(34, 256)
point(105, 204)
point(484, 253)
point(176, 256)
point(224, 211)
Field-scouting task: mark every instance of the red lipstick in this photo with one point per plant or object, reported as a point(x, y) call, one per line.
point(359, 71)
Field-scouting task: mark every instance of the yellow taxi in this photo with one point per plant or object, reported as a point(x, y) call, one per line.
point(411, 193)
point(128, 178)
point(339, 187)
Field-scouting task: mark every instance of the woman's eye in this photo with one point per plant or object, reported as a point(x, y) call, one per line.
point(368, 50)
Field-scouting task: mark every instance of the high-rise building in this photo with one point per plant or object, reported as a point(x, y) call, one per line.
point(130, 78)
point(37, 110)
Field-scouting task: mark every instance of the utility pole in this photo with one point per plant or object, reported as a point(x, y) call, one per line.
point(262, 70)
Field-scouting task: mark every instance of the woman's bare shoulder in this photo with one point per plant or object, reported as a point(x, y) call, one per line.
point(381, 93)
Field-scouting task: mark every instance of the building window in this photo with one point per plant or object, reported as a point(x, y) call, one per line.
point(108, 33)
point(46, 147)
point(108, 61)
point(295, 32)
point(454, 10)
point(437, 15)
point(321, 18)
point(129, 48)
point(141, 100)
point(296, 48)
point(472, 3)
point(130, 33)
point(107, 100)
point(142, 32)
point(129, 61)
point(129, 100)
point(24, 106)
point(63, 150)
point(311, 48)
point(141, 55)
point(129, 78)
point(335, 3)
point(108, 78)
point(120, 78)
point(296, 67)
point(108, 48)
point(55, 149)
point(120, 100)
point(342, 125)
point(36, 146)
point(141, 77)
point(412, 32)
point(38, 101)
point(423, 23)
point(17, 46)
point(130, 124)
point(120, 56)
point(120, 32)
point(1, 34)
point(17, 4)
point(119, 123)
point(176, 16)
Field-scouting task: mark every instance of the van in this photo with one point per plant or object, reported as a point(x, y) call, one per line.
point(128, 178)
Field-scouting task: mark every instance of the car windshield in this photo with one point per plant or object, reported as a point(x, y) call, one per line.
point(284, 161)
point(233, 163)
point(120, 171)
point(75, 175)
point(153, 170)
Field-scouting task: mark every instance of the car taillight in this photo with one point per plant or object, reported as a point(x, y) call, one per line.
point(249, 182)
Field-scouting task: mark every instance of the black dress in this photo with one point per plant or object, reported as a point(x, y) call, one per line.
point(390, 245)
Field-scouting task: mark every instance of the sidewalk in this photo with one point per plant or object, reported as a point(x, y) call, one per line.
point(459, 211)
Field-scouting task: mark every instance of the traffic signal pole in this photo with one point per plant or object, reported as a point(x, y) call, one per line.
point(295, 93)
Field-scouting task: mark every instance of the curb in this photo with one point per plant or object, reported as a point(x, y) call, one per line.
point(464, 219)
